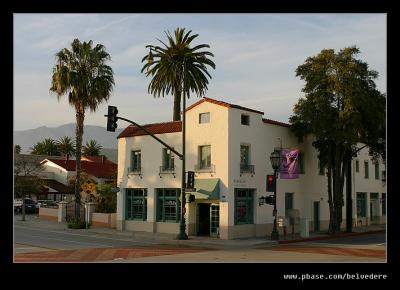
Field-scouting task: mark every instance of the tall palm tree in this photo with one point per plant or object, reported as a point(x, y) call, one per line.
point(46, 147)
point(66, 145)
point(92, 148)
point(81, 73)
point(170, 65)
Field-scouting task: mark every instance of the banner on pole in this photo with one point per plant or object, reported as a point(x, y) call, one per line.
point(290, 164)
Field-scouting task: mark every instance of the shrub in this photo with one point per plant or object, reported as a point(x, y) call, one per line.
point(77, 224)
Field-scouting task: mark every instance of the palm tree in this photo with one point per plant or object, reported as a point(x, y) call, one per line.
point(92, 148)
point(81, 73)
point(66, 146)
point(173, 63)
point(46, 147)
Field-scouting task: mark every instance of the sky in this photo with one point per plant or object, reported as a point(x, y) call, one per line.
point(256, 56)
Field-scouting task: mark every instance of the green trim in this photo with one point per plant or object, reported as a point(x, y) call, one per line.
point(168, 205)
point(244, 206)
point(135, 199)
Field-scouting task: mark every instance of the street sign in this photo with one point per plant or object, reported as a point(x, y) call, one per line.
point(190, 189)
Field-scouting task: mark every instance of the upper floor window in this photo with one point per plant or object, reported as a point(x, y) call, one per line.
point(205, 156)
point(204, 118)
point(357, 166)
point(245, 119)
point(366, 169)
point(376, 170)
point(244, 154)
point(168, 159)
point(136, 161)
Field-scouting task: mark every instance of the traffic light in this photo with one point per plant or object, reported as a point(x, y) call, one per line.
point(112, 118)
point(190, 179)
point(270, 199)
point(270, 183)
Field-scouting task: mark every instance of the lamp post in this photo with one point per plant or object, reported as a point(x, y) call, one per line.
point(275, 158)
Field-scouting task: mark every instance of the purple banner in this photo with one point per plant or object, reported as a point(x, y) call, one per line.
point(290, 164)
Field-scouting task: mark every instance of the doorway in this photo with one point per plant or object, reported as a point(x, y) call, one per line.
point(203, 228)
point(316, 216)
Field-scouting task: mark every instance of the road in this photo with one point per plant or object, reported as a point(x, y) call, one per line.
point(37, 240)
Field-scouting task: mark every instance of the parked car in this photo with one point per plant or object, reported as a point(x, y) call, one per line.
point(47, 203)
point(30, 205)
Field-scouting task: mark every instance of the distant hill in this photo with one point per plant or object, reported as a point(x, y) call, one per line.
point(27, 138)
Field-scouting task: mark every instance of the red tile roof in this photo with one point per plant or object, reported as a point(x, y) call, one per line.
point(224, 104)
point(157, 128)
point(269, 121)
point(97, 169)
point(97, 159)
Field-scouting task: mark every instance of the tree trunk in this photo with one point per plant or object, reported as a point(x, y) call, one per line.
point(349, 202)
point(80, 117)
point(177, 106)
point(330, 201)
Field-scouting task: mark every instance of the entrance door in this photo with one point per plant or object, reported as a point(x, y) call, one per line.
point(214, 220)
point(203, 228)
point(316, 216)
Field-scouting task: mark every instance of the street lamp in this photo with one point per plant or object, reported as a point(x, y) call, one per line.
point(275, 158)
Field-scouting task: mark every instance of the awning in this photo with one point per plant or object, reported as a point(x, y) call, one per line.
point(207, 188)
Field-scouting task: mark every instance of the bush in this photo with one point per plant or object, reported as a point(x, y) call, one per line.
point(77, 224)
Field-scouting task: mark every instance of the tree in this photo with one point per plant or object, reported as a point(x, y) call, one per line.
point(106, 199)
point(46, 147)
point(81, 73)
point(341, 109)
point(92, 148)
point(175, 62)
point(66, 146)
point(26, 178)
point(17, 149)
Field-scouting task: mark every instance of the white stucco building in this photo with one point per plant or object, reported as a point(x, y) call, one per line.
point(228, 146)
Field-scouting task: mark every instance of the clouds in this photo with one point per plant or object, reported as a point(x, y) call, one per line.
point(255, 54)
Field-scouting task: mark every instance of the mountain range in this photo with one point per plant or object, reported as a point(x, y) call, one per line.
point(27, 138)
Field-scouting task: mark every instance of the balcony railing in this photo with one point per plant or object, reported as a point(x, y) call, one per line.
point(246, 168)
point(135, 171)
point(167, 170)
point(204, 169)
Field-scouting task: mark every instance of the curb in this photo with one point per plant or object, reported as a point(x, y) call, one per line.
point(326, 237)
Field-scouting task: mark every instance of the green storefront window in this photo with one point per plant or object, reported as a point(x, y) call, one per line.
point(244, 206)
point(361, 204)
point(136, 204)
point(168, 205)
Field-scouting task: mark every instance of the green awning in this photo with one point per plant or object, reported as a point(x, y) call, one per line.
point(207, 188)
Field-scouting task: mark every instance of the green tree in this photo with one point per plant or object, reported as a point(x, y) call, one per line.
point(92, 148)
point(46, 147)
point(66, 146)
point(17, 149)
point(341, 109)
point(170, 65)
point(81, 74)
point(106, 200)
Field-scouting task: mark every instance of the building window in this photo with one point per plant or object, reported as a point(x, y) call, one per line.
point(383, 203)
point(288, 202)
point(301, 163)
point(204, 118)
point(244, 154)
point(136, 163)
point(244, 206)
point(205, 157)
point(168, 205)
point(366, 169)
point(361, 204)
point(321, 168)
point(136, 204)
point(245, 120)
point(376, 170)
point(357, 166)
point(168, 159)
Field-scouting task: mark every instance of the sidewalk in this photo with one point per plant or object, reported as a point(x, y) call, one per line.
point(196, 241)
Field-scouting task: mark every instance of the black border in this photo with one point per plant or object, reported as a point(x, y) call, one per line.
point(198, 274)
